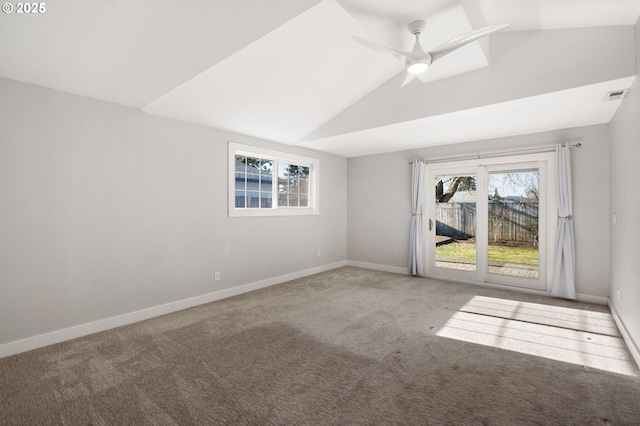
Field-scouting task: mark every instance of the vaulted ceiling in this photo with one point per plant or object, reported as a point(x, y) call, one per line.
point(290, 72)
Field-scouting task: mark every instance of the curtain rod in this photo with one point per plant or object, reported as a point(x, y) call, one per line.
point(491, 154)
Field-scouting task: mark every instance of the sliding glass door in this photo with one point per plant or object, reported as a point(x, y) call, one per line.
point(455, 223)
point(487, 220)
point(513, 220)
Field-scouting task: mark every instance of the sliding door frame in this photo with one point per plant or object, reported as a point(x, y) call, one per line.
point(481, 167)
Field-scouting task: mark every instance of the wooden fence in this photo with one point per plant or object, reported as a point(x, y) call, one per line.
point(507, 221)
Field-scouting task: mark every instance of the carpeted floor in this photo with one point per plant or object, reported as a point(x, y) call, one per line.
point(348, 346)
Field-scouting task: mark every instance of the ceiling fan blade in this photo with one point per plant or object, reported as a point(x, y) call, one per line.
point(456, 42)
point(408, 79)
point(422, 77)
point(371, 45)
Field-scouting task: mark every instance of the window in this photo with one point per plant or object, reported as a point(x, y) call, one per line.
point(293, 185)
point(263, 182)
point(253, 182)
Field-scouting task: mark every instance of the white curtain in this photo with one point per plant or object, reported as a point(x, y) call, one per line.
point(563, 281)
point(415, 233)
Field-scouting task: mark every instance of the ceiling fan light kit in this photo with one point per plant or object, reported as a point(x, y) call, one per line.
point(417, 68)
point(418, 61)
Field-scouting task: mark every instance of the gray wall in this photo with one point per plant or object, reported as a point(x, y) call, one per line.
point(625, 204)
point(379, 200)
point(105, 210)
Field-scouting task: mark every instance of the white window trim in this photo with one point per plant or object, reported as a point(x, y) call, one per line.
point(275, 210)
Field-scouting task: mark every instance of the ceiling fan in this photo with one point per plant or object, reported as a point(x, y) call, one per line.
point(417, 60)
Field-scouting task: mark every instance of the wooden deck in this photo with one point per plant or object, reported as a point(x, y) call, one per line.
point(503, 268)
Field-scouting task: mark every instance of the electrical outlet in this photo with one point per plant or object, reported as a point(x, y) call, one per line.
point(217, 275)
point(318, 253)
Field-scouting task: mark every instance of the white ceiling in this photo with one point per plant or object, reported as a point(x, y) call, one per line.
point(289, 71)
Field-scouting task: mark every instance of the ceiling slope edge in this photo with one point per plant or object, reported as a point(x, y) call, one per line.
point(575, 107)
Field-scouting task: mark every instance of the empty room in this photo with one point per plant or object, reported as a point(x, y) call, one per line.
point(320, 212)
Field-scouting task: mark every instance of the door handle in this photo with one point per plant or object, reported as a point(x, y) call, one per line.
point(430, 224)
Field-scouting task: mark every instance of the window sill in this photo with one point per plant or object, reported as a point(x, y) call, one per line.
point(273, 212)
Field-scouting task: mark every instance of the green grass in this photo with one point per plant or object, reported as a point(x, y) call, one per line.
point(522, 255)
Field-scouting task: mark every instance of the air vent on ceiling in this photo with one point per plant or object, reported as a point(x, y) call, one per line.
point(615, 95)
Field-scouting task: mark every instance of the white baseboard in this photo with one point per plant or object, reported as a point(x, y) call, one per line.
point(378, 267)
point(598, 300)
point(30, 343)
point(633, 347)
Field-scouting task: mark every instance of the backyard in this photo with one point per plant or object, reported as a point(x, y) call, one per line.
point(506, 258)
point(526, 255)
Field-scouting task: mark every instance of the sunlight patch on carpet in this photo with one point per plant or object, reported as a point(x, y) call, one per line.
point(576, 336)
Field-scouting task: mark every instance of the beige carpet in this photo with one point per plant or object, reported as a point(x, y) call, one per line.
point(349, 346)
